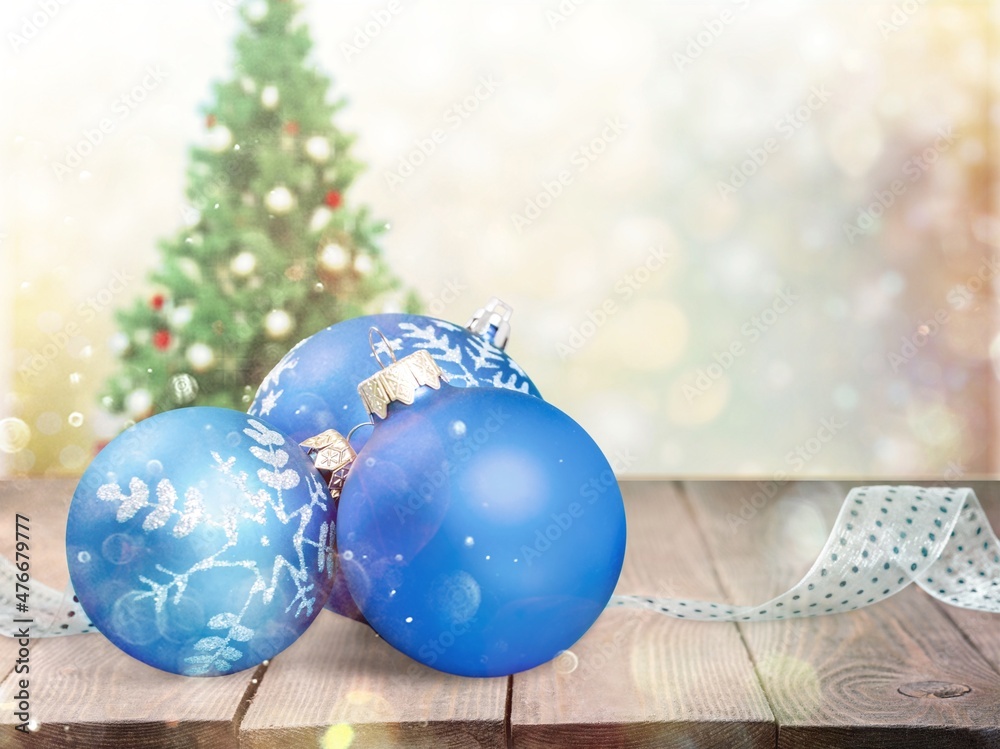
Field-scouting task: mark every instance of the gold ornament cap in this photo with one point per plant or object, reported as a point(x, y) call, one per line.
point(399, 380)
point(333, 455)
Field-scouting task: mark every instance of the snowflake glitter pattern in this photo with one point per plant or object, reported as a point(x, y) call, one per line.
point(217, 652)
point(465, 358)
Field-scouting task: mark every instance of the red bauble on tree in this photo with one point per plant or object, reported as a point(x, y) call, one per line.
point(161, 339)
point(266, 179)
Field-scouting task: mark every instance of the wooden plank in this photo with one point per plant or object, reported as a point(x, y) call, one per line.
point(982, 629)
point(340, 685)
point(83, 690)
point(86, 692)
point(46, 503)
point(839, 680)
point(638, 678)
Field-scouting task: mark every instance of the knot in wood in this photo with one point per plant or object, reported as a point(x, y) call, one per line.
point(939, 689)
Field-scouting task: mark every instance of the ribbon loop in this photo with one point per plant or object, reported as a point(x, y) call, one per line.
point(884, 538)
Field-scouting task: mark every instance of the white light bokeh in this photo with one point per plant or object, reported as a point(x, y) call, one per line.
point(687, 127)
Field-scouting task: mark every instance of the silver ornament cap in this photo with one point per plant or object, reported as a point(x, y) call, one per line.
point(492, 322)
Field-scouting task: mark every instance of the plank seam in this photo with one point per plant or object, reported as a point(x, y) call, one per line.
point(946, 610)
point(508, 727)
point(943, 608)
point(681, 488)
point(248, 696)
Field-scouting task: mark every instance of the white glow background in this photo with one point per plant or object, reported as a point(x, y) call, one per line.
point(894, 78)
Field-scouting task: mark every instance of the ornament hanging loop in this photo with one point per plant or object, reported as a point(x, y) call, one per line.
point(399, 381)
point(372, 331)
point(356, 427)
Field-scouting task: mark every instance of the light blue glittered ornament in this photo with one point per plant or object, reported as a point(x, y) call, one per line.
point(481, 531)
point(200, 540)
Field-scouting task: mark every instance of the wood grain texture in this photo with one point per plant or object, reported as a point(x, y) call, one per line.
point(46, 503)
point(640, 679)
point(636, 679)
point(340, 683)
point(982, 629)
point(84, 692)
point(20, 496)
point(834, 681)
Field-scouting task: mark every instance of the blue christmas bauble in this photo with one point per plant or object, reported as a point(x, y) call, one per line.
point(314, 387)
point(200, 541)
point(481, 531)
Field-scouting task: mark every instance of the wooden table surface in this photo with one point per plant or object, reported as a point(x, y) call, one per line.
point(636, 679)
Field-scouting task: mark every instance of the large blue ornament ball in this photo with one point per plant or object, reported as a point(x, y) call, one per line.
point(481, 531)
point(200, 541)
point(314, 387)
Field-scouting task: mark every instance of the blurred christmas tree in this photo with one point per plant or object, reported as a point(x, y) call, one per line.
point(270, 253)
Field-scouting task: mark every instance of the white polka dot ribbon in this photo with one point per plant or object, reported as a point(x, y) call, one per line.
point(43, 612)
point(885, 538)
